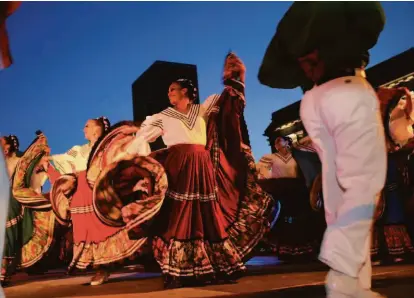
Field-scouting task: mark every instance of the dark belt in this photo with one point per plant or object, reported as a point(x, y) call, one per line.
point(334, 75)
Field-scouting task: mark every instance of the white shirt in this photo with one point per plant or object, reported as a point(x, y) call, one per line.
point(277, 166)
point(175, 127)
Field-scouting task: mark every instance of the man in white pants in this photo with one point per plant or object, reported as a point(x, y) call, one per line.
point(323, 48)
point(342, 118)
point(4, 203)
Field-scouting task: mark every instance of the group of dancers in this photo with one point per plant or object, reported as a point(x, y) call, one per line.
point(196, 207)
point(292, 174)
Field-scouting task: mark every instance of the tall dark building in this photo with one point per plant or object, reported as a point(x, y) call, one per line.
point(150, 90)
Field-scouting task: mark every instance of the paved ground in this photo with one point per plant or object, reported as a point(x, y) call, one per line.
point(266, 278)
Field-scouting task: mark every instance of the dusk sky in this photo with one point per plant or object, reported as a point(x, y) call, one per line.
point(77, 60)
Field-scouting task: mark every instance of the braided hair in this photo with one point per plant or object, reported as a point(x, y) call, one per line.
point(191, 89)
point(103, 123)
point(13, 141)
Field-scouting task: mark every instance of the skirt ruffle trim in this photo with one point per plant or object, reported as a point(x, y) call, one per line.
point(198, 258)
point(113, 249)
point(42, 239)
point(397, 239)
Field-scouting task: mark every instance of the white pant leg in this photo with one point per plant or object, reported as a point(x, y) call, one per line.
point(4, 203)
point(342, 118)
point(325, 147)
point(365, 274)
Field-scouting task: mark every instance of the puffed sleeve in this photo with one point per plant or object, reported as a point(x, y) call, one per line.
point(70, 162)
point(150, 130)
point(209, 104)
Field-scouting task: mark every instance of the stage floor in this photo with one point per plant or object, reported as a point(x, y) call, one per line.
point(266, 278)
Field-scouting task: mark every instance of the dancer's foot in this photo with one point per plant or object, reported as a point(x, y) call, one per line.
point(99, 278)
point(225, 281)
point(4, 283)
point(35, 271)
point(70, 271)
point(398, 260)
point(339, 285)
point(369, 294)
point(172, 283)
point(222, 278)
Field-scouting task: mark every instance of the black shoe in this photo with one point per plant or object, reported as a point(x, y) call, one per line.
point(5, 283)
point(70, 271)
point(35, 272)
point(172, 282)
point(227, 279)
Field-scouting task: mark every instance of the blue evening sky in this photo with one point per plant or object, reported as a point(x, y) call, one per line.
point(77, 60)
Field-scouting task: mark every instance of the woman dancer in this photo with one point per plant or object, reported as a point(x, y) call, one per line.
point(29, 232)
point(75, 159)
point(391, 240)
point(13, 243)
point(214, 212)
point(280, 164)
point(95, 244)
point(282, 177)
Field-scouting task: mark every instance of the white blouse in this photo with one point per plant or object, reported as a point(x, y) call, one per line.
point(277, 166)
point(73, 161)
point(175, 127)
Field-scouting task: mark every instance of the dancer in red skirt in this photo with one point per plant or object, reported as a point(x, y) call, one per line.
point(214, 212)
point(391, 239)
point(95, 243)
point(282, 178)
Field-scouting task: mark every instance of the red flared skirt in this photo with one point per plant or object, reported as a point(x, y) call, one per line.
point(96, 243)
point(207, 223)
